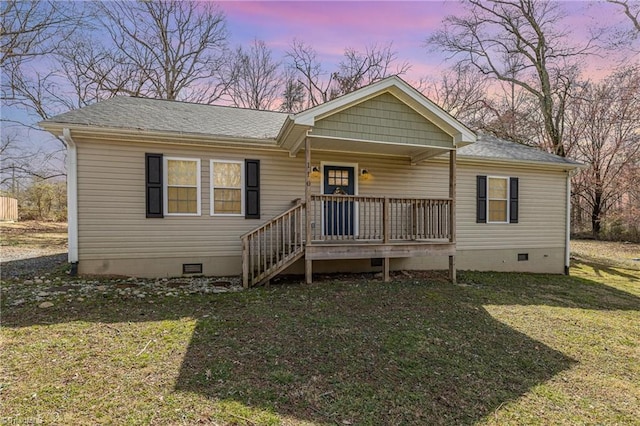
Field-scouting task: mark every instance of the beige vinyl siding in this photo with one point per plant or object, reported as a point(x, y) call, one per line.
point(112, 222)
point(113, 229)
point(383, 118)
point(389, 176)
point(542, 204)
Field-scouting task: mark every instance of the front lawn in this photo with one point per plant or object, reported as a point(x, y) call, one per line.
point(496, 348)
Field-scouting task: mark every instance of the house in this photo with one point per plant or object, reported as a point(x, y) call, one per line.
point(380, 177)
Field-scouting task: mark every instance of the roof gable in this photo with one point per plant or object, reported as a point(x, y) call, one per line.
point(397, 87)
point(383, 118)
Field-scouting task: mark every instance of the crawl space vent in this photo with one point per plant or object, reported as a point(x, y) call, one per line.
point(192, 268)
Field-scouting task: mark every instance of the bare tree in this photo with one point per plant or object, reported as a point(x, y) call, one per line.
point(33, 33)
point(293, 93)
point(33, 28)
point(19, 164)
point(253, 77)
point(356, 69)
point(501, 109)
point(631, 11)
point(462, 91)
point(625, 35)
point(520, 42)
point(606, 125)
point(303, 60)
point(166, 49)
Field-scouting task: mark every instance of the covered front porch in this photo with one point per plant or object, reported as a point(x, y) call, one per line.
point(337, 223)
point(336, 219)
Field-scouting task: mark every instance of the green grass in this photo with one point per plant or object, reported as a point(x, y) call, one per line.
point(496, 349)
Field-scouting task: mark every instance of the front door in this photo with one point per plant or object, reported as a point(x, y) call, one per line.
point(339, 214)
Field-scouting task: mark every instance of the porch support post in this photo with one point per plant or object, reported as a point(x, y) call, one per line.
point(452, 212)
point(308, 263)
point(386, 231)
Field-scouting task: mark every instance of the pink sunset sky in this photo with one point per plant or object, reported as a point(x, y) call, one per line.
point(330, 26)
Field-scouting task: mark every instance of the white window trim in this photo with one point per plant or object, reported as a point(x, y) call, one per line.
point(212, 187)
point(165, 185)
point(500, 199)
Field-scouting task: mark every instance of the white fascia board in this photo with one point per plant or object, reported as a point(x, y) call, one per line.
point(95, 132)
point(285, 130)
point(516, 163)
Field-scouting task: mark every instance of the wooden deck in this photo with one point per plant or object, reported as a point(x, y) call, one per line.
point(366, 250)
point(333, 227)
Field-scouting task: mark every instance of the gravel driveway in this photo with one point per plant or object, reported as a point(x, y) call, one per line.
point(30, 264)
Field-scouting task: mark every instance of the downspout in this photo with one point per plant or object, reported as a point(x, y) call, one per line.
point(567, 243)
point(72, 199)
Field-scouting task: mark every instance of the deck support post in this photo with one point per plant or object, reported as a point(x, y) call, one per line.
point(386, 262)
point(452, 212)
point(308, 271)
point(452, 269)
point(308, 263)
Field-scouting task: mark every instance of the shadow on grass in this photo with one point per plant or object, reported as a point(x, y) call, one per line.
point(548, 290)
point(412, 351)
point(599, 268)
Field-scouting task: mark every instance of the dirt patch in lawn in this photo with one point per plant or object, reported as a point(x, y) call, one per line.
point(24, 240)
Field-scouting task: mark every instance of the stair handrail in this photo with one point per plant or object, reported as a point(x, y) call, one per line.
point(264, 225)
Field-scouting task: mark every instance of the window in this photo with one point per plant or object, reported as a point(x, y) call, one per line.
point(182, 180)
point(498, 190)
point(338, 177)
point(497, 199)
point(172, 187)
point(227, 183)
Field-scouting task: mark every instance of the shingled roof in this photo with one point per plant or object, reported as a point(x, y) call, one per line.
point(181, 117)
point(492, 148)
point(221, 121)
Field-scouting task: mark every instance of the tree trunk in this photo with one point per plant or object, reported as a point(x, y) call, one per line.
point(596, 214)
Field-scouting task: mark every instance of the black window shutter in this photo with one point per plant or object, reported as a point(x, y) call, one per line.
point(513, 200)
point(153, 176)
point(252, 189)
point(481, 199)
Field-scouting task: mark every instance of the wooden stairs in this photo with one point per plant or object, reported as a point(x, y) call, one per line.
point(273, 247)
